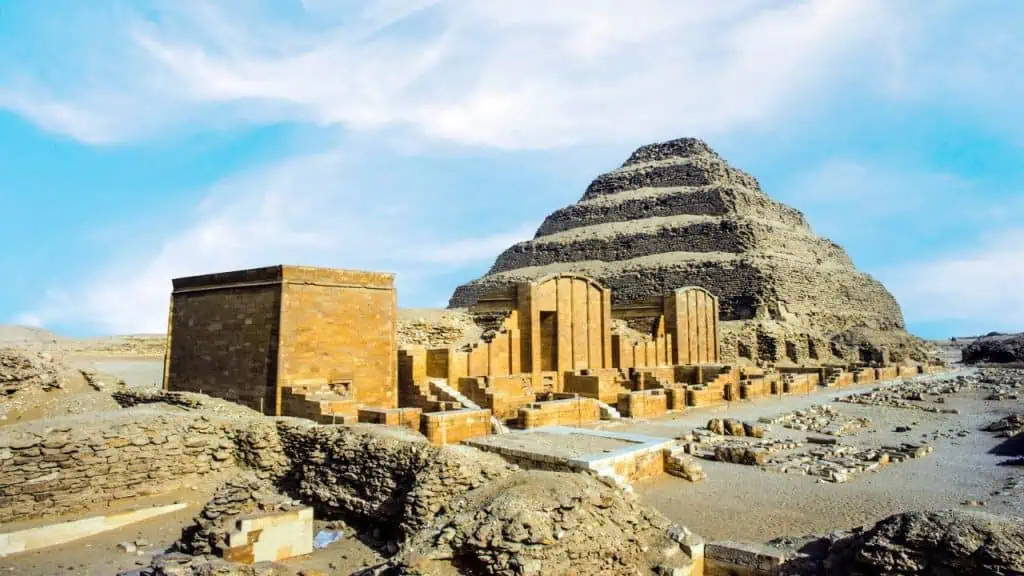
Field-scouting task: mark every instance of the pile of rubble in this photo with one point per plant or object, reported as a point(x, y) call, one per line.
point(679, 463)
point(839, 463)
point(23, 369)
point(733, 427)
point(242, 495)
point(822, 419)
point(711, 446)
point(436, 329)
point(1008, 426)
point(906, 393)
point(533, 523)
point(1002, 384)
point(828, 460)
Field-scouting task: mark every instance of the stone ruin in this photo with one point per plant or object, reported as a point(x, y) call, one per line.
point(557, 350)
point(676, 214)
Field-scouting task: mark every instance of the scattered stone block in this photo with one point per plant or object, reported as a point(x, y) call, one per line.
point(271, 537)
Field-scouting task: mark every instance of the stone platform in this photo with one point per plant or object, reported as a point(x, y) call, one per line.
point(630, 457)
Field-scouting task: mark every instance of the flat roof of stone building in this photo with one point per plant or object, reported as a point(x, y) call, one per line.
point(283, 273)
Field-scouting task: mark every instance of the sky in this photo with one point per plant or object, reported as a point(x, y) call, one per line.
point(146, 140)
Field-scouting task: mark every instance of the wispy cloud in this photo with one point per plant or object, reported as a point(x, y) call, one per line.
point(297, 211)
point(504, 73)
point(983, 285)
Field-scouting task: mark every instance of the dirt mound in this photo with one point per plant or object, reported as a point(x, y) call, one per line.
point(545, 523)
point(36, 385)
point(25, 335)
point(934, 543)
point(997, 349)
point(23, 369)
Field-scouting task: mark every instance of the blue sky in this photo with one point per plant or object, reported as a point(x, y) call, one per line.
point(143, 140)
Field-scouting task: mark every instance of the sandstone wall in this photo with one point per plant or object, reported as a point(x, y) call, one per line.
point(224, 343)
point(452, 427)
point(338, 327)
point(643, 404)
point(565, 412)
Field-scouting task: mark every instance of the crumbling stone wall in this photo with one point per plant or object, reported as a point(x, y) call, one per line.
point(48, 470)
point(390, 478)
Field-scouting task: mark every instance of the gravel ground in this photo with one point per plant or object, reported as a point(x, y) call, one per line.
point(745, 503)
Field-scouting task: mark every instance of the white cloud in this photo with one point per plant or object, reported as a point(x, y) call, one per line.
point(504, 73)
point(983, 285)
point(300, 211)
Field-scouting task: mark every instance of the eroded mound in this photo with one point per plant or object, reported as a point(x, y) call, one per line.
point(935, 543)
point(545, 523)
point(996, 348)
point(23, 369)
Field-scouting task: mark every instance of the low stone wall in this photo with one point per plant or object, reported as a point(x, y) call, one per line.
point(801, 384)
point(566, 412)
point(603, 385)
point(756, 388)
point(407, 417)
point(741, 559)
point(80, 464)
point(698, 396)
point(643, 404)
point(455, 426)
point(676, 398)
point(864, 375)
point(845, 379)
point(887, 373)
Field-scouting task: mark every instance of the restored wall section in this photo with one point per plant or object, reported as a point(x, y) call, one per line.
point(643, 404)
point(244, 335)
point(338, 328)
point(224, 336)
point(455, 426)
point(567, 412)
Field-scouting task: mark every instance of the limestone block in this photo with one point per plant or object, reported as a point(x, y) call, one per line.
point(271, 537)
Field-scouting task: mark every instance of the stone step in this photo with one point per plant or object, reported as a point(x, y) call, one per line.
point(443, 389)
point(608, 412)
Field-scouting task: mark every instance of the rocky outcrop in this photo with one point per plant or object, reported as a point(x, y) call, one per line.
point(388, 478)
point(676, 214)
point(933, 544)
point(996, 349)
point(534, 523)
point(23, 369)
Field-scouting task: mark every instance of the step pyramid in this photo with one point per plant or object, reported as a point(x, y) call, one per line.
point(677, 214)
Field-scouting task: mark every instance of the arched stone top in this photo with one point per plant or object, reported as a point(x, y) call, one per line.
point(698, 288)
point(555, 276)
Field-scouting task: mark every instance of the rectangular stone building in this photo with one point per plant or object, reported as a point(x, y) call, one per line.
point(253, 336)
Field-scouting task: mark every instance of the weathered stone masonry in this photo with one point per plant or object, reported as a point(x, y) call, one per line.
point(77, 466)
point(247, 336)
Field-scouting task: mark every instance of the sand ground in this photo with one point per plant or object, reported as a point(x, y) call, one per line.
point(745, 503)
